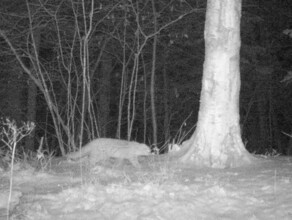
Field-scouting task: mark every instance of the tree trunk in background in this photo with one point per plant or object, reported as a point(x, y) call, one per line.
point(31, 97)
point(166, 122)
point(262, 109)
point(104, 95)
point(31, 112)
point(276, 134)
point(289, 147)
point(217, 140)
point(152, 83)
point(12, 105)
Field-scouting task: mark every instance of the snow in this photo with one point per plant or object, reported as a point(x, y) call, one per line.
point(261, 191)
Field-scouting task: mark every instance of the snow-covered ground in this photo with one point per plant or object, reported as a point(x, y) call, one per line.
point(261, 191)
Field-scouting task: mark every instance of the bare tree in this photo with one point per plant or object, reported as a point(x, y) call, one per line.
point(217, 140)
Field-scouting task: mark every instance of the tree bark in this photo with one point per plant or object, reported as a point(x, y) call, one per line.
point(217, 140)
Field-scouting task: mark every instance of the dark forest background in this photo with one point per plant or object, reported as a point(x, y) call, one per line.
point(81, 71)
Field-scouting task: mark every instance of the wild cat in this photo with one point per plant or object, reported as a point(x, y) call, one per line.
point(103, 148)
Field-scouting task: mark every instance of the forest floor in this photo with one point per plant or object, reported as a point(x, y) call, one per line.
point(67, 190)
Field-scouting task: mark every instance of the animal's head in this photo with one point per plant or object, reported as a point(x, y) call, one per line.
point(143, 149)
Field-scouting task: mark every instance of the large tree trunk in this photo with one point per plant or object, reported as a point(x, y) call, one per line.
point(217, 140)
